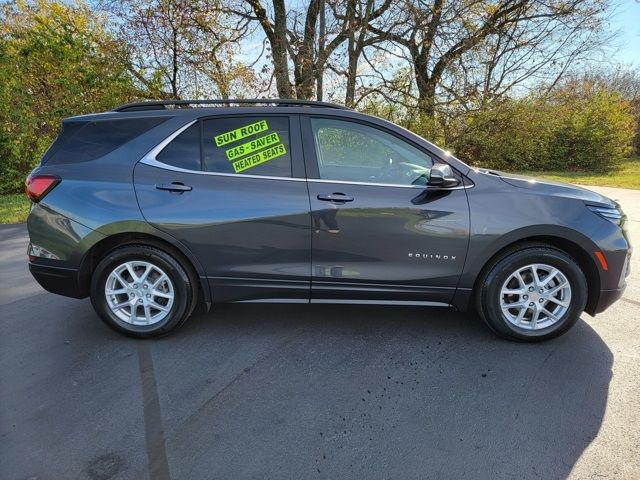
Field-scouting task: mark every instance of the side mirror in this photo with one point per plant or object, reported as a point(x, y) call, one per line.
point(441, 175)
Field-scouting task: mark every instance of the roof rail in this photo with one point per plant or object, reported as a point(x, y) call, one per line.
point(163, 104)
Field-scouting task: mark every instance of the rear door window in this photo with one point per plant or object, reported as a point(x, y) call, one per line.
point(250, 145)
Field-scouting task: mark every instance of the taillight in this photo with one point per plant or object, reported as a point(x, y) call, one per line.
point(37, 186)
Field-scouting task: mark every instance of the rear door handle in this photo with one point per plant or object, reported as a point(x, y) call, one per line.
point(174, 187)
point(335, 197)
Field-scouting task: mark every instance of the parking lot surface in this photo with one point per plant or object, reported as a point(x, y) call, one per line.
point(291, 391)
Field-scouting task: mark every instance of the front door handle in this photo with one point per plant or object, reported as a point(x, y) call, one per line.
point(174, 187)
point(335, 197)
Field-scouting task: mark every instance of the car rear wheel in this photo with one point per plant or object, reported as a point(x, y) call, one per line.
point(532, 293)
point(142, 291)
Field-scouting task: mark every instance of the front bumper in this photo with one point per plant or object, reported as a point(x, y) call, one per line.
point(606, 299)
point(59, 280)
point(613, 281)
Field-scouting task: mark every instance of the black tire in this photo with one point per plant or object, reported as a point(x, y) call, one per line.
point(184, 289)
point(495, 275)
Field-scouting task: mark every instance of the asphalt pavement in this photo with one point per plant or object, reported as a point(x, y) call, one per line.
point(298, 391)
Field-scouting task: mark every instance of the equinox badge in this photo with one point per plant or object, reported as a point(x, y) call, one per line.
point(432, 256)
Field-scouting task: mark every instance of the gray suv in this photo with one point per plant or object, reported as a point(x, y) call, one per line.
point(156, 207)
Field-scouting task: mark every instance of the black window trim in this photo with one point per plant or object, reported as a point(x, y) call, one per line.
point(151, 157)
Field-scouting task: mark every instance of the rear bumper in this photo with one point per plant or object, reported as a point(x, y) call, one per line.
point(62, 281)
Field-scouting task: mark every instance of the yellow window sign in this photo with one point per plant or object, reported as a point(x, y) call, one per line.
point(258, 158)
point(240, 133)
point(252, 146)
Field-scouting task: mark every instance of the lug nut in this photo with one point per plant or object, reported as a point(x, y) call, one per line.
point(135, 285)
point(525, 296)
point(541, 290)
point(145, 286)
point(531, 304)
point(541, 300)
point(140, 301)
point(531, 289)
point(148, 295)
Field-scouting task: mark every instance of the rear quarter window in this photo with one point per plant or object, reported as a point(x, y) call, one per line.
point(85, 141)
point(184, 150)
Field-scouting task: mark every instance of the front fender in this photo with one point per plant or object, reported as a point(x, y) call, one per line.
point(484, 247)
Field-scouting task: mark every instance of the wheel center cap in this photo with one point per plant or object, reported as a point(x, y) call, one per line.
point(535, 296)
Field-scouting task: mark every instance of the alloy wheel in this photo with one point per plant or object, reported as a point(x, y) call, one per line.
point(139, 293)
point(535, 296)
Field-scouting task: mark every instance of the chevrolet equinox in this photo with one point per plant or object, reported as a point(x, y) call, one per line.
point(156, 207)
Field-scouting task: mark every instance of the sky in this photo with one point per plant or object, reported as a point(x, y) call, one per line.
point(626, 22)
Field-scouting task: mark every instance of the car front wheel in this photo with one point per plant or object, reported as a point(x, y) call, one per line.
point(532, 293)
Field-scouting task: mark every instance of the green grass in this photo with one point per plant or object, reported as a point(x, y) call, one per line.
point(14, 208)
point(626, 176)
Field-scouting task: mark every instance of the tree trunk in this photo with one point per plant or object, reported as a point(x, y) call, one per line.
point(322, 30)
point(304, 73)
point(426, 88)
point(279, 50)
point(174, 62)
point(277, 36)
point(304, 64)
point(353, 55)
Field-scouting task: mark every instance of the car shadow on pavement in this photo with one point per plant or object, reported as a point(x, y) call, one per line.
point(294, 391)
point(327, 391)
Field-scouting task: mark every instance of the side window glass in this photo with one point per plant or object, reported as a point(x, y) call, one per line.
point(86, 141)
point(247, 146)
point(350, 151)
point(184, 150)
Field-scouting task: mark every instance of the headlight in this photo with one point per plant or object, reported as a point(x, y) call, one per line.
point(612, 214)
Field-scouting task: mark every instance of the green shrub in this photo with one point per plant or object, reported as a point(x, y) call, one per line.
point(596, 132)
point(568, 131)
point(55, 61)
point(511, 135)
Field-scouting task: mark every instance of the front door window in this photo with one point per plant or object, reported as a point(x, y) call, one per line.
point(353, 152)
